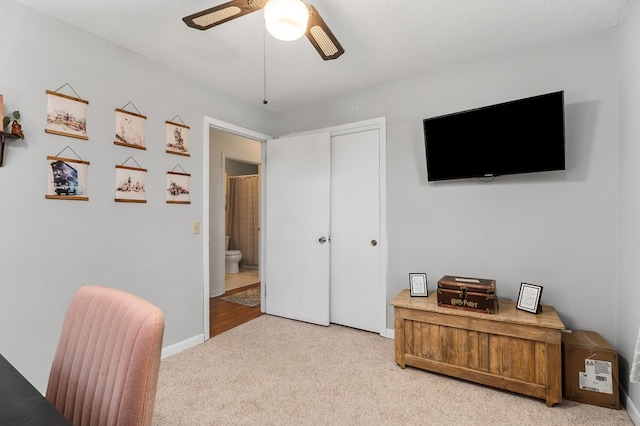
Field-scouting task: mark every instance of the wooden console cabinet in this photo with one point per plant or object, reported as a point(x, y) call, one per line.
point(512, 350)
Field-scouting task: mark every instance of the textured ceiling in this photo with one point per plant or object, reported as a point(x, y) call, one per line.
point(384, 40)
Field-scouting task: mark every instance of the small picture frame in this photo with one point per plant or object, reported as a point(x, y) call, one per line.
point(178, 188)
point(418, 285)
point(66, 115)
point(67, 179)
point(529, 298)
point(130, 185)
point(130, 129)
point(177, 138)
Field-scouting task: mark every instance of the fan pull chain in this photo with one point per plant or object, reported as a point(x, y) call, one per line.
point(264, 63)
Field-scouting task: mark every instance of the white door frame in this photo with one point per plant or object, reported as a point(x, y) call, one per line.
point(210, 123)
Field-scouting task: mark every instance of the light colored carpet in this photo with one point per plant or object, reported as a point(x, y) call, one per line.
point(274, 371)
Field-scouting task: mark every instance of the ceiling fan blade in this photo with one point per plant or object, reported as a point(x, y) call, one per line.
point(222, 13)
point(321, 36)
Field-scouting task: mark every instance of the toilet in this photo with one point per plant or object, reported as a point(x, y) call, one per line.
point(231, 258)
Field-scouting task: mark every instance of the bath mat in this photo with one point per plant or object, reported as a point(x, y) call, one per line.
point(249, 297)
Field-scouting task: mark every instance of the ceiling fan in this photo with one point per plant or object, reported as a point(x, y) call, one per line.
point(316, 29)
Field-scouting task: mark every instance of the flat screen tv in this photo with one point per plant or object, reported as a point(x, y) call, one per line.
point(521, 136)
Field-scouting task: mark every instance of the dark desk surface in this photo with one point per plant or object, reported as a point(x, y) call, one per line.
point(22, 404)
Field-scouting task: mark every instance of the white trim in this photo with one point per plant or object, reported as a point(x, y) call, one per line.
point(263, 227)
point(216, 293)
point(204, 228)
point(223, 209)
point(182, 346)
point(381, 123)
point(209, 123)
point(390, 334)
point(237, 130)
point(349, 127)
point(633, 412)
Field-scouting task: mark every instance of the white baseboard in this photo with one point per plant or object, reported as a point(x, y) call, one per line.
point(181, 346)
point(216, 293)
point(631, 409)
point(389, 333)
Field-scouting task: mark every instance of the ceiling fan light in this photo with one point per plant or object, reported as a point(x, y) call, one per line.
point(286, 19)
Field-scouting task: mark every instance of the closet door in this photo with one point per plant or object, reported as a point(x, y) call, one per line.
point(297, 227)
point(355, 231)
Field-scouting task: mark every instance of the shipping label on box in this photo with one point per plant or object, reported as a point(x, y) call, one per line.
point(596, 376)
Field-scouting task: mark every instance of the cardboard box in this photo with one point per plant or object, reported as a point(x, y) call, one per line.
point(590, 367)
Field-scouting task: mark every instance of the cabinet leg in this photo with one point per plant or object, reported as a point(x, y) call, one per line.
point(399, 338)
point(554, 373)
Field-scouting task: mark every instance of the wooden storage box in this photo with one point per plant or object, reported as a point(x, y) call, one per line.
point(590, 367)
point(472, 294)
point(508, 350)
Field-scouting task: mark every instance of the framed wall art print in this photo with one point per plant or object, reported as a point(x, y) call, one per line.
point(177, 138)
point(130, 129)
point(178, 188)
point(130, 184)
point(66, 115)
point(67, 179)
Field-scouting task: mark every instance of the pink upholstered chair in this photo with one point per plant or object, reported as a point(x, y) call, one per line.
point(105, 370)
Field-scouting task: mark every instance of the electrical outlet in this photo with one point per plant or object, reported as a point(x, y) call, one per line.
point(196, 227)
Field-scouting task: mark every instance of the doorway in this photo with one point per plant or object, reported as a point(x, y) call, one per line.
point(223, 140)
point(242, 224)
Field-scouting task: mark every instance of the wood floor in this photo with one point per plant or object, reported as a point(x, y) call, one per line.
point(225, 315)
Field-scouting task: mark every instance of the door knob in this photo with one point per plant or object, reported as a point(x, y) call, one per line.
point(322, 240)
point(374, 243)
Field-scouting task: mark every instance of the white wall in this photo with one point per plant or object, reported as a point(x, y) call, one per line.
point(555, 229)
point(628, 314)
point(49, 248)
point(222, 145)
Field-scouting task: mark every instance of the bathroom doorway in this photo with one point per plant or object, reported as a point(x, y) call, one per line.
point(242, 224)
point(232, 152)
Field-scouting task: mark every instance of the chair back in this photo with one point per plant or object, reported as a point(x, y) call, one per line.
point(105, 370)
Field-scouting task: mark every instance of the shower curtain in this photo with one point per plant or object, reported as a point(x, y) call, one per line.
point(244, 218)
